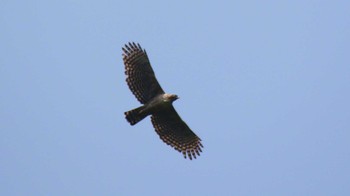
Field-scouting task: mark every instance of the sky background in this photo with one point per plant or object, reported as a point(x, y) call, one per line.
point(264, 84)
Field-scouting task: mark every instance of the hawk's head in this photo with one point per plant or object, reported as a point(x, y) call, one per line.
point(170, 97)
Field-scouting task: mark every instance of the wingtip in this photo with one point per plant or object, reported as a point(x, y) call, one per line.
point(131, 45)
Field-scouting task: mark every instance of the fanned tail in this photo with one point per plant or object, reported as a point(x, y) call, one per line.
point(136, 115)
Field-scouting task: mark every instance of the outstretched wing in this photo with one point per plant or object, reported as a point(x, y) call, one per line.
point(140, 75)
point(175, 132)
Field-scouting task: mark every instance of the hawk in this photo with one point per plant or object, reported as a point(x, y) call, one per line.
point(156, 103)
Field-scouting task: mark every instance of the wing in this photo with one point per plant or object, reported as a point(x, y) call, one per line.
point(174, 132)
point(140, 75)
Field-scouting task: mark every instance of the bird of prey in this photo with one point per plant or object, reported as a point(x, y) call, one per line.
point(143, 84)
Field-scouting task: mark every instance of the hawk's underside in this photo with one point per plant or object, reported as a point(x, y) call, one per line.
point(166, 121)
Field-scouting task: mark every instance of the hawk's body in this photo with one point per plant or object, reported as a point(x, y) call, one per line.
point(144, 85)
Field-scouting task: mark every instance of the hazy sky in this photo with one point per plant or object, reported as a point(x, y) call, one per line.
point(265, 84)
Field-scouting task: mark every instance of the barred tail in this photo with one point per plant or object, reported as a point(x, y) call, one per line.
point(136, 115)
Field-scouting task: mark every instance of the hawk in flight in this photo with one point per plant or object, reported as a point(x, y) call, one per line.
point(156, 103)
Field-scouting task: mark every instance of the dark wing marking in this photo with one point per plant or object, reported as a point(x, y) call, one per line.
point(175, 132)
point(140, 75)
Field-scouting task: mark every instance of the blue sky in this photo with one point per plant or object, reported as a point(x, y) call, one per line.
point(265, 84)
